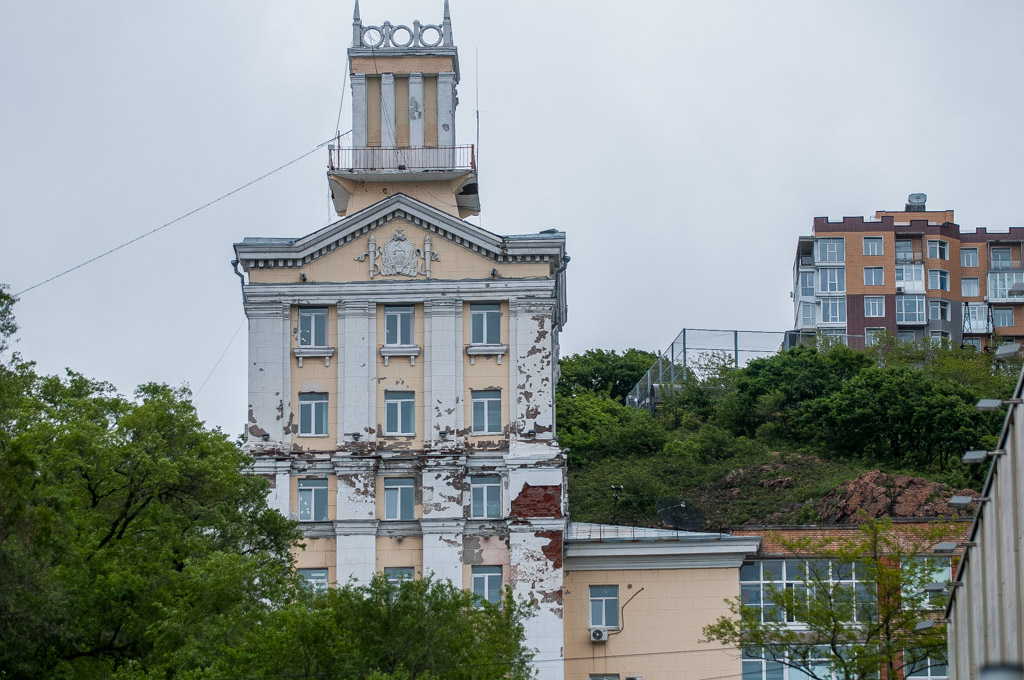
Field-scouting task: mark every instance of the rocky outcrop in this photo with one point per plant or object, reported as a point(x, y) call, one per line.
point(876, 494)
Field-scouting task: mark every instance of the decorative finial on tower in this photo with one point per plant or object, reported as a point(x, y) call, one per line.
point(446, 26)
point(357, 27)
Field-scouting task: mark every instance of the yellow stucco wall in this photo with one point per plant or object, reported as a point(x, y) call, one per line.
point(454, 262)
point(320, 553)
point(402, 65)
point(315, 376)
point(490, 551)
point(660, 627)
point(485, 374)
point(408, 552)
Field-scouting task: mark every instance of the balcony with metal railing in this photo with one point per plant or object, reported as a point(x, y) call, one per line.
point(905, 256)
point(386, 162)
point(1005, 264)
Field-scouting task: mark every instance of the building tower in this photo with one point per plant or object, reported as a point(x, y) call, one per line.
point(402, 361)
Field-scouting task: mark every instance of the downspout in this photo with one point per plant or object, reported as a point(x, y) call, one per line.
point(241, 277)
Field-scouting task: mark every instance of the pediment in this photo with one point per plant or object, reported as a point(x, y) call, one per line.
point(273, 252)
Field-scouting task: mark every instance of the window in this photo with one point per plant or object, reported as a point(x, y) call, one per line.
point(312, 500)
point(806, 314)
point(396, 575)
point(315, 578)
point(313, 327)
point(807, 284)
point(968, 257)
point(398, 498)
point(833, 310)
point(907, 336)
point(1001, 258)
point(313, 413)
point(486, 497)
point(398, 325)
point(923, 570)
point(874, 276)
point(487, 583)
point(833, 280)
point(940, 338)
point(756, 667)
point(834, 334)
point(1000, 283)
point(872, 336)
point(486, 406)
point(604, 676)
point(909, 273)
point(872, 245)
point(874, 305)
point(485, 322)
point(938, 279)
point(938, 310)
point(760, 579)
point(909, 309)
point(604, 606)
point(938, 250)
point(917, 664)
point(969, 288)
point(972, 342)
point(1002, 316)
point(904, 251)
point(399, 409)
point(831, 250)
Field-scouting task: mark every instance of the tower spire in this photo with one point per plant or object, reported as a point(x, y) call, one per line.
point(357, 27)
point(446, 26)
point(355, 13)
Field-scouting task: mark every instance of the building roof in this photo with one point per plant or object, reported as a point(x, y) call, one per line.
point(591, 547)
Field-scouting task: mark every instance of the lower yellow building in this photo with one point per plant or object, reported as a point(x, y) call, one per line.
point(636, 600)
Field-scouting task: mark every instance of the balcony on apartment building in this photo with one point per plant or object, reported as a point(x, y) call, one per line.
point(909, 256)
point(378, 162)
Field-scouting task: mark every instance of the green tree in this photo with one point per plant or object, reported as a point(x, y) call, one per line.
point(593, 427)
point(112, 512)
point(599, 370)
point(413, 630)
point(822, 624)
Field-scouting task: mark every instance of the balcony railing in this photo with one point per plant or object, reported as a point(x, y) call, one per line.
point(906, 256)
point(403, 158)
point(1004, 264)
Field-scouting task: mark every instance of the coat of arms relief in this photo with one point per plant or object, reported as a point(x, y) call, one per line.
point(399, 256)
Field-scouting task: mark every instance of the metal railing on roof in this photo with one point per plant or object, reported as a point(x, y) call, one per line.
point(403, 158)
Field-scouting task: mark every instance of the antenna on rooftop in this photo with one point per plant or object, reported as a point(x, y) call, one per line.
point(679, 514)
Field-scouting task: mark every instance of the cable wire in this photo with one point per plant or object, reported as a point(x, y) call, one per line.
point(175, 220)
point(221, 358)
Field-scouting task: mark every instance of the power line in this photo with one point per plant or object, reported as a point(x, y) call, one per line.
point(175, 220)
point(226, 347)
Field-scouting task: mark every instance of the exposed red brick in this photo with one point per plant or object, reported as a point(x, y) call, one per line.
point(538, 501)
point(553, 549)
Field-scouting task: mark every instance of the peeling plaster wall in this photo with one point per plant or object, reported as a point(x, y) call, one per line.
point(532, 372)
point(536, 578)
point(269, 373)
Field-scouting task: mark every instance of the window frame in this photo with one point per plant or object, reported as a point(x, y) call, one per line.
point(488, 402)
point(399, 325)
point(831, 249)
point(832, 279)
point(938, 279)
point(399, 499)
point(609, 603)
point(401, 404)
point(487, 582)
point(313, 413)
point(314, 489)
point(1004, 262)
point(805, 290)
point(316, 320)
point(920, 313)
point(968, 254)
point(940, 248)
point(807, 320)
point(964, 286)
point(311, 576)
point(874, 280)
point(870, 243)
point(839, 304)
point(871, 336)
point(943, 307)
point(485, 497)
point(489, 316)
point(998, 312)
point(398, 575)
point(874, 306)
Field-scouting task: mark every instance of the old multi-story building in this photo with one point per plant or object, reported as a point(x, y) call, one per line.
point(912, 273)
point(402, 361)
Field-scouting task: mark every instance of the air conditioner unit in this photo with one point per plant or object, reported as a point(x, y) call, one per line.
point(599, 635)
point(899, 289)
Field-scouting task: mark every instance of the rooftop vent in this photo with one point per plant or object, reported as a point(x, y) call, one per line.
point(915, 202)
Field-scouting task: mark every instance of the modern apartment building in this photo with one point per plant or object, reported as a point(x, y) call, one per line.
point(402, 361)
point(912, 273)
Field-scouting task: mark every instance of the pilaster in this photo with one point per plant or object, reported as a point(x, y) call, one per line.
point(356, 550)
point(442, 361)
point(357, 368)
point(387, 110)
point(269, 372)
point(415, 109)
point(442, 548)
point(358, 110)
point(532, 371)
point(446, 108)
point(535, 551)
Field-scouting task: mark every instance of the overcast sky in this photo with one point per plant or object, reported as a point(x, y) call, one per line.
point(682, 146)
